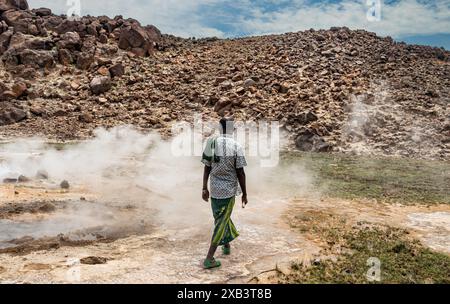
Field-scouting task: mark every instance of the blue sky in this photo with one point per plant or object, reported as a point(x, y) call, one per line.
point(413, 21)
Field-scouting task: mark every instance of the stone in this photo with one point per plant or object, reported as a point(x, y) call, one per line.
point(6, 5)
point(5, 39)
point(219, 80)
point(10, 180)
point(310, 142)
point(93, 260)
point(249, 83)
point(85, 61)
point(19, 89)
point(117, 70)
point(227, 85)
point(74, 85)
point(103, 71)
point(86, 118)
point(11, 115)
point(306, 117)
point(23, 179)
point(42, 12)
point(64, 185)
point(100, 84)
point(38, 58)
point(103, 38)
point(42, 174)
point(47, 207)
point(70, 41)
point(222, 105)
point(65, 57)
point(18, 19)
point(141, 41)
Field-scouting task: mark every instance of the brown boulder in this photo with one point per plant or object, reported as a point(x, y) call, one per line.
point(23, 179)
point(103, 71)
point(3, 87)
point(65, 57)
point(86, 118)
point(42, 12)
point(10, 115)
point(100, 84)
point(19, 89)
point(20, 41)
point(5, 39)
point(70, 41)
point(64, 184)
point(7, 95)
point(69, 25)
point(139, 40)
point(84, 61)
point(310, 142)
point(117, 70)
point(93, 260)
point(222, 105)
point(20, 20)
point(103, 38)
point(6, 5)
point(37, 58)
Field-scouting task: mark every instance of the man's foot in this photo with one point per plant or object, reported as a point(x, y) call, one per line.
point(211, 263)
point(226, 249)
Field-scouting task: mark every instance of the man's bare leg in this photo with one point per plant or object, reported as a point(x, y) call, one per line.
point(211, 252)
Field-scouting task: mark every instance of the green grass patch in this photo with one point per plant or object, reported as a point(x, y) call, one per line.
point(387, 179)
point(402, 260)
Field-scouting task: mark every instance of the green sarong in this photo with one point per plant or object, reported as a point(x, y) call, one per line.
point(224, 229)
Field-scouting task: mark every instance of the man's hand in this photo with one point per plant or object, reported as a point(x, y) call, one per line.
point(205, 195)
point(244, 200)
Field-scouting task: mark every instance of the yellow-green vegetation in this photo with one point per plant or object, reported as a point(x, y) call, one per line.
point(403, 259)
point(387, 179)
point(348, 246)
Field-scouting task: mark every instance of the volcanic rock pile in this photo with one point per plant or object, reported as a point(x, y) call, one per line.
point(332, 90)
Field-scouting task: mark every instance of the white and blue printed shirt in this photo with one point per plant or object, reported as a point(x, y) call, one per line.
point(223, 178)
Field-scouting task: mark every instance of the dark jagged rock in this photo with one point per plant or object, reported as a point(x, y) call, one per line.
point(10, 114)
point(6, 5)
point(100, 84)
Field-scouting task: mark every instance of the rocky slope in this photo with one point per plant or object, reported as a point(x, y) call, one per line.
point(332, 90)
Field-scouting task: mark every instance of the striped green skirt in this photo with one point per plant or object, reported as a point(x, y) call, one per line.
point(224, 229)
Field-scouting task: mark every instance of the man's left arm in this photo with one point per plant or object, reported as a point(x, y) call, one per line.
point(205, 191)
point(240, 172)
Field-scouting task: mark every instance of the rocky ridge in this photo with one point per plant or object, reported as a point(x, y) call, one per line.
point(332, 90)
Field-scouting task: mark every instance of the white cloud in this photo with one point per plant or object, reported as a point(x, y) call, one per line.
point(407, 17)
point(177, 17)
point(191, 18)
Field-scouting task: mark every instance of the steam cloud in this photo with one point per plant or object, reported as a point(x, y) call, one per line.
point(123, 167)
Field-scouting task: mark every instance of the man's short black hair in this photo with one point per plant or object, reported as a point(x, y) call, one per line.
point(226, 125)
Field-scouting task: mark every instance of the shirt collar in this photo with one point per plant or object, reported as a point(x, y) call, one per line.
point(226, 135)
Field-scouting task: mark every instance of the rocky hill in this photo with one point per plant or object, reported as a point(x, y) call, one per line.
point(332, 90)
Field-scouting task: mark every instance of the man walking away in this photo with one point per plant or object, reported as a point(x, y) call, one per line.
point(224, 162)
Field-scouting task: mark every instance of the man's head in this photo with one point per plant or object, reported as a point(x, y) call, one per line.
point(227, 125)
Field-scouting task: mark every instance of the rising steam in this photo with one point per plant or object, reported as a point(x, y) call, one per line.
point(123, 166)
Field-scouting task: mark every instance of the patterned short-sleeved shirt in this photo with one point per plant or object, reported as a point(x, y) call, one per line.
point(223, 178)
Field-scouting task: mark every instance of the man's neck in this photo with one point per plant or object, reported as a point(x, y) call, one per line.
point(226, 135)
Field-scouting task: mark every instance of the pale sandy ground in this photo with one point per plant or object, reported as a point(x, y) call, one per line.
point(169, 255)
